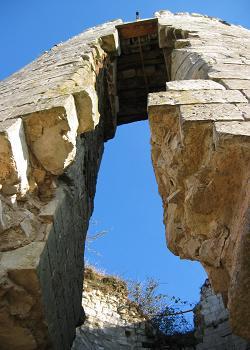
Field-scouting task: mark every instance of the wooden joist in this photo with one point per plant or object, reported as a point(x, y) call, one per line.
point(137, 29)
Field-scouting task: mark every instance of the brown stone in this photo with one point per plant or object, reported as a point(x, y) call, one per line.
point(201, 157)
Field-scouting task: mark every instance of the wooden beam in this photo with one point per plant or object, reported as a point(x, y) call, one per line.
point(137, 29)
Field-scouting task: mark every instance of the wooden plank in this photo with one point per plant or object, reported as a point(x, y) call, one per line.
point(137, 64)
point(136, 29)
point(155, 52)
point(140, 85)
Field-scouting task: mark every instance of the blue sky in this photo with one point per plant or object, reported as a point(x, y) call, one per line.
point(127, 203)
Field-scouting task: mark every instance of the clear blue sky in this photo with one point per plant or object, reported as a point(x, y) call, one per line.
point(127, 203)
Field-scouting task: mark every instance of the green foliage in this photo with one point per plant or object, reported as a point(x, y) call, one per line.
point(164, 312)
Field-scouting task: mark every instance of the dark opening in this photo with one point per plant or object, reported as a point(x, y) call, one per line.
point(128, 333)
point(141, 69)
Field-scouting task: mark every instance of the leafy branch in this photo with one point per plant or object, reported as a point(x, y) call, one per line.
point(164, 312)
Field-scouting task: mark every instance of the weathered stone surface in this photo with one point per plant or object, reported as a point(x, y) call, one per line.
point(232, 129)
point(201, 155)
point(47, 184)
point(212, 326)
point(55, 115)
point(114, 322)
point(201, 158)
point(14, 158)
point(51, 135)
point(19, 224)
point(236, 84)
point(67, 68)
point(247, 94)
point(204, 45)
point(213, 111)
point(21, 313)
point(245, 108)
point(192, 84)
point(229, 71)
point(195, 97)
point(87, 109)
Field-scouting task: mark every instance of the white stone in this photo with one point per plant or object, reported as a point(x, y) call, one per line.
point(199, 84)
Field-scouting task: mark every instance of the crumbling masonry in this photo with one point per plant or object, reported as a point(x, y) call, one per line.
point(55, 115)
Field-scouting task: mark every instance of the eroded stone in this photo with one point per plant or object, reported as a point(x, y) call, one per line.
point(202, 168)
point(51, 135)
point(14, 158)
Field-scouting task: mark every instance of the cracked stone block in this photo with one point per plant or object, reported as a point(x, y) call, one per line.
point(51, 135)
point(14, 158)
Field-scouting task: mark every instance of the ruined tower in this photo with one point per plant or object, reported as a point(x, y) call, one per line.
point(190, 75)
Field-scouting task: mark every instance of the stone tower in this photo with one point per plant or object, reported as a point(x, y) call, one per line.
point(190, 76)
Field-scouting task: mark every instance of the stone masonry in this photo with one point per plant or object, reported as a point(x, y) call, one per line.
point(55, 115)
point(200, 130)
point(213, 331)
point(55, 112)
point(112, 321)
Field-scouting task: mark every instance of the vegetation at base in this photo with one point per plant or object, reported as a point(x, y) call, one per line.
point(165, 312)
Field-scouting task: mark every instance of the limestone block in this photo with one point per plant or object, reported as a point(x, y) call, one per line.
point(188, 65)
point(51, 135)
point(212, 112)
point(245, 109)
point(234, 84)
point(247, 93)
point(213, 329)
point(110, 42)
point(23, 259)
point(195, 97)
point(19, 281)
point(48, 211)
point(14, 158)
point(87, 109)
point(19, 226)
point(105, 328)
point(229, 71)
point(231, 129)
point(192, 84)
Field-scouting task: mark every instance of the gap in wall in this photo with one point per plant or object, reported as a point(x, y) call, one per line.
point(128, 206)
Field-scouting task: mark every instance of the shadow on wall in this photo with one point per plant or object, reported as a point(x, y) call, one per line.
point(138, 336)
